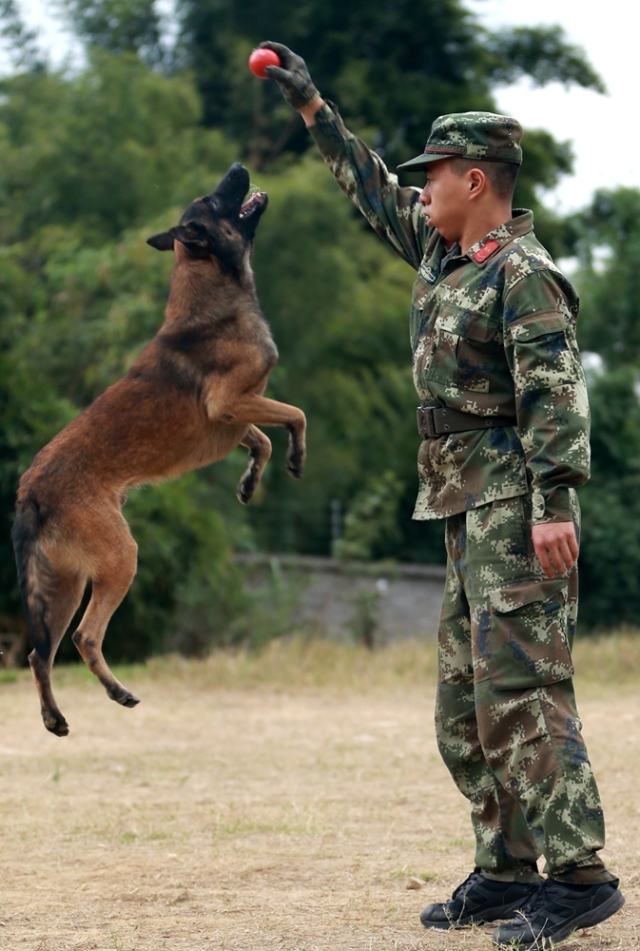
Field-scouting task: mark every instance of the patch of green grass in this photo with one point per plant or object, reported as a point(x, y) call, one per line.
point(156, 835)
point(292, 663)
point(297, 663)
point(608, 658)
point(243, 827)
point(9, 676)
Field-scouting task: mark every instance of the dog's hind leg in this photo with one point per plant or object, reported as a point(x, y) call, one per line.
point(259, 447)
point(51, 594)
point(59, 600)
point(116, 556)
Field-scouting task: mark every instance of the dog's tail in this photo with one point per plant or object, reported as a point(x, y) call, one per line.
point(36, 574)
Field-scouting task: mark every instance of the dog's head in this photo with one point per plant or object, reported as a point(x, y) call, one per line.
point(221, 224)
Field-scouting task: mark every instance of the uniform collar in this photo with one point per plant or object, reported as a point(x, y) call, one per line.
point(520, 224)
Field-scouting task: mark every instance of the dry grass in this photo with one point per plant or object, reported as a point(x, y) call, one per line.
point(280, 801)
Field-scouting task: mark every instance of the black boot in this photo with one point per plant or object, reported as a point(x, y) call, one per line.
point(476, 900)
point(556, 911)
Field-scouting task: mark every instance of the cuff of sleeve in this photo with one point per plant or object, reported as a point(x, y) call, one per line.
point(328, 131)
point(327, 113)
point(552, 507)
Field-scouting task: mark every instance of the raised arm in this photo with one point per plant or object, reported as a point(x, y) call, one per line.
point(393, 212)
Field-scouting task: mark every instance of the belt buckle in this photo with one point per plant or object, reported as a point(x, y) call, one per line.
point(426, 426)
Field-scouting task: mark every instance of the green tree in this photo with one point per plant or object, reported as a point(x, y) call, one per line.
point(607, 239)
point(101, 151)
point(610, 550)
point(372, 518)
point(17, 40)
point(119, 26)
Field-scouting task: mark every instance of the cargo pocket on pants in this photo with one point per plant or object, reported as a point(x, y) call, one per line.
point(528, 637)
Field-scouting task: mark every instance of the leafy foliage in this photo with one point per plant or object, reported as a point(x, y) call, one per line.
point(102, 151)
point(119, 26)
point(607, 239)
point(542, 54)
point(371, 519)
point(19, 42)
point(610, 554)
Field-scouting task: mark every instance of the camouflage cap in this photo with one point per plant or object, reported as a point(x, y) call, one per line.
point(473, 135)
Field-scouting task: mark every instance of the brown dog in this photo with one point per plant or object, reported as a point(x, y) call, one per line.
point(193, 395)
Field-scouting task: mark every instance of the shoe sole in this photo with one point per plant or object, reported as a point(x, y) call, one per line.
point(497, 914)
point(590, 918)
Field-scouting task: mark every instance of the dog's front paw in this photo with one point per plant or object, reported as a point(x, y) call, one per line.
point(246, 487)
point(121, 695)
point(295, 463)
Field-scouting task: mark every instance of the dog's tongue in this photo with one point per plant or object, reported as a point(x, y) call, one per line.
point(248, 205)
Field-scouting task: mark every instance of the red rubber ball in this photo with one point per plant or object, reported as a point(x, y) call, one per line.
point(261, 58)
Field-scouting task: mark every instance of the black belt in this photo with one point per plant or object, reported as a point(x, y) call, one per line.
point(436, 421)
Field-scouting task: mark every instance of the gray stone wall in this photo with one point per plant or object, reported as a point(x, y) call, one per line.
point(370, 602)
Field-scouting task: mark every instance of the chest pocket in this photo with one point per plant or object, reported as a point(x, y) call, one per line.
point(465, 348)
point(477, 351)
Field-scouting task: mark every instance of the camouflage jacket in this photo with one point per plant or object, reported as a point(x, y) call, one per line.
point(493, 332)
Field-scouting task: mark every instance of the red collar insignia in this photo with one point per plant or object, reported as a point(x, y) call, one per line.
point(486, 251)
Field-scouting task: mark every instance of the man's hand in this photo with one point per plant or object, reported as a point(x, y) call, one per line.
point(292, 76)
point(556, 547)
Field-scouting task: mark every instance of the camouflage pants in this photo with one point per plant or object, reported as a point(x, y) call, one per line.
point(506, 718)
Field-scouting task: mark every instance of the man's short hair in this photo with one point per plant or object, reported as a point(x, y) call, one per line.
point(501, 175)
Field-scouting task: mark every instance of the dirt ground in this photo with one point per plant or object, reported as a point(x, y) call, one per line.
point(282, 802)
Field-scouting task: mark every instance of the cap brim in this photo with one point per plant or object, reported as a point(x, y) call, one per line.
point(423, 160)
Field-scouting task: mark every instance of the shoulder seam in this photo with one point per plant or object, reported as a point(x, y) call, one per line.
point(539, 269)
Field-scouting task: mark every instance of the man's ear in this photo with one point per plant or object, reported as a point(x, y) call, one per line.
point(162, 241)
point(477, 182)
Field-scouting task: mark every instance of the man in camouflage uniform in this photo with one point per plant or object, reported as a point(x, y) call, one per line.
point(505, 421)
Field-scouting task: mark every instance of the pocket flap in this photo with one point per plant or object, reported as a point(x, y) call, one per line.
point(468, 324)
point(514, 597)
point(483, 333)
point(528, 635)
point(537, 325)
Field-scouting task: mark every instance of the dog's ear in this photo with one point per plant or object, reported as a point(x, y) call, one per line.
point(162, 241)
point(195, 238)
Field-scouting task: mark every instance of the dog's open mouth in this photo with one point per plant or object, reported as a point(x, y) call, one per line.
point(256, 201)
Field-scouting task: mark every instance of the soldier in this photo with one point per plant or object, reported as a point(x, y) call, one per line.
point(504, 418)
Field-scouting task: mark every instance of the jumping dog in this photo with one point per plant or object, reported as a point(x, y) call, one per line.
point(194, 394)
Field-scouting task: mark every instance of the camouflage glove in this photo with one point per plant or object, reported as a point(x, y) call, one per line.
point(293, 76)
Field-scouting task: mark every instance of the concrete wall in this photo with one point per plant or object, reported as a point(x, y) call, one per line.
point(370, 602)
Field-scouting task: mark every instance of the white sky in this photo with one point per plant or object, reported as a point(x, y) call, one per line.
point(605, 130)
